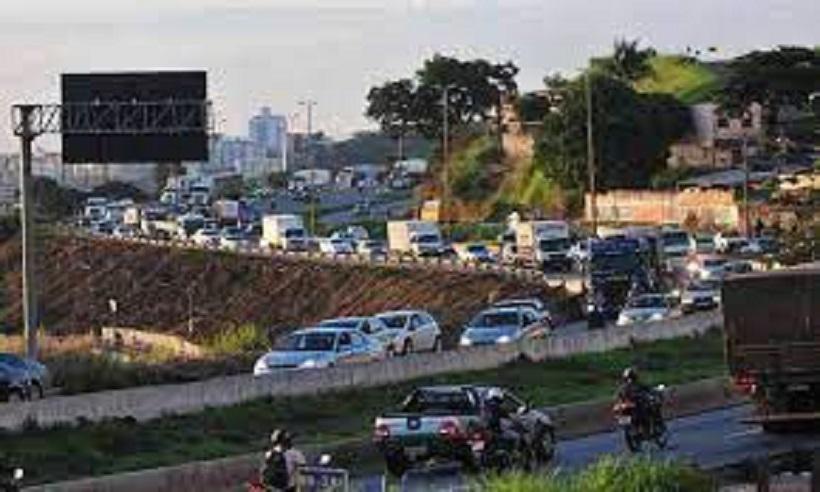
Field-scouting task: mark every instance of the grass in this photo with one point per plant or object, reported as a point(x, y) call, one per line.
point(608, 475)
point(688, 80)
point(120, 445)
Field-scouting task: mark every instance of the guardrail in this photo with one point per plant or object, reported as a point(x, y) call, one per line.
point(573, 282)
point(151, 402)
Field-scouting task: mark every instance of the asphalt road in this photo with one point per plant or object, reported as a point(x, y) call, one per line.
point(709, 440)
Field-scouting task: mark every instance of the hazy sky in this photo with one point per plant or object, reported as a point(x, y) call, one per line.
point(276, 52)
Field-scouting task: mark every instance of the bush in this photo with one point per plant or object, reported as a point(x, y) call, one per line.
point(610, 475)
point(242, 339)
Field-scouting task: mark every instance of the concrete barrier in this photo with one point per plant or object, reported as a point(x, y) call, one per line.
point(572, 420)
point(149, 402)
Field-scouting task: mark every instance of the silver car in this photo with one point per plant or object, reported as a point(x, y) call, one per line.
point(411, 331)
point(317, 348)
point(646, 308)
point(369, 326)
point(503, 325)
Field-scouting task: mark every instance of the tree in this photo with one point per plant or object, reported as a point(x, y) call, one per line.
point(786, 75)
point(627, 63)
point(475, 91)
point(632, 133)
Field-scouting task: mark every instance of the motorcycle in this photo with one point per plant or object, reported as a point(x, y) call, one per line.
point(12, 482)
point(495, 453)
point(650, 428)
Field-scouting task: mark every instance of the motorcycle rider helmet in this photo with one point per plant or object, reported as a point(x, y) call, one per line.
point(630, 375)
point(495, 394)
point(279, 437)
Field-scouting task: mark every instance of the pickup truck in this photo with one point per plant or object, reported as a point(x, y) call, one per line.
point(443, 423)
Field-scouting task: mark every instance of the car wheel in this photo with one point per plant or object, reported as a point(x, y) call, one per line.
point(408, 347)
point(437, 347)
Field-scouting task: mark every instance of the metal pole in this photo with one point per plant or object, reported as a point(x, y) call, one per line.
point(445, 151)
point(746, 229)
point(593, 192)
point(31, 317)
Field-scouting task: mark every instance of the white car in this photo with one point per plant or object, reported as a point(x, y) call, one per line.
point(335, 246)
point(646, 308)
point(702, 243)
point(371, 249)
point(411, 331)
point(530, 302)
point(707, 267)
point(701, 295)
point(206, 237)
point(369, 326)
point(730, 244)
point(475, 253)
point(231, 238)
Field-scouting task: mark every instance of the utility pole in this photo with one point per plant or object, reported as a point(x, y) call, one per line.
point(31, 316)
point(593, 192)
point(309, 104)
point(445, 151)
point(745, 156)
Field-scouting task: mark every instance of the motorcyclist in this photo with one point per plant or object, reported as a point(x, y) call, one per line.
point(635, 392)
point(282, 462)
point(498, 420)
point(8, 478)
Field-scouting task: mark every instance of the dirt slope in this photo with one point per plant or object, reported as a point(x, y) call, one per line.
point(152, 285)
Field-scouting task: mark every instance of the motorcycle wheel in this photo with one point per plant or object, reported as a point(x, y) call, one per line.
point(633, 439)
point(661, 435)
point(397, 464)
point(545, 447)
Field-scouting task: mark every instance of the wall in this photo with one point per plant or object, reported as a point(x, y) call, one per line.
point(151, 402)
point(708, 207)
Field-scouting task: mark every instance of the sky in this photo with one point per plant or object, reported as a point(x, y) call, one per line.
point(278, 52)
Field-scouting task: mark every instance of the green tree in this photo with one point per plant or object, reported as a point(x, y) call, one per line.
point(632, 133)
point(628, 62)
point(774, 78)
point(393, 106)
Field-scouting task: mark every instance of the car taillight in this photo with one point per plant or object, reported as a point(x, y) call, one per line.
point(450, 430)
point(381, 432)
point(745, 382)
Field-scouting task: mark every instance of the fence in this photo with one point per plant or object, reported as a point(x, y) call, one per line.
point(151, 402)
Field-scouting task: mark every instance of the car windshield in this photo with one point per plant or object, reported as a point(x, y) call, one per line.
point(307, 342)
point(495, 319)
point(394, 321)
point(516, 304)
point(427, 238)
point(477, 248)
point(704, 285)
point(439, 402)
point(675, 238)
point(647, 302)
point(294, 233)
point(714, 263)
point(554, 244)
point(341, 323)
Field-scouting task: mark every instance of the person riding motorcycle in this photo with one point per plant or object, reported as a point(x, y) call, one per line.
point(498, 420)
point(635, 392)
point(282, 462)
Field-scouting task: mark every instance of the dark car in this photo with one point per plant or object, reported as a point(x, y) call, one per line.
point(13, 384)
point(35, 373)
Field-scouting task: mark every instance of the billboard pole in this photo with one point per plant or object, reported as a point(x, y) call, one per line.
point(30, 314)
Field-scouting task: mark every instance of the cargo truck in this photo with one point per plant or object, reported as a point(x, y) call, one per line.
point(285, 232)
point(772, 330)
point(414, 237)
point(543, 244)
point(227, 211)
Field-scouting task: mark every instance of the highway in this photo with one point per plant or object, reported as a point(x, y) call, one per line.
point(710, 440)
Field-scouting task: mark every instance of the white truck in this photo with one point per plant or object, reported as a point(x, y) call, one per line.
point(227, 211)
point(414, 237)
point(543, 244)
point(285, 232)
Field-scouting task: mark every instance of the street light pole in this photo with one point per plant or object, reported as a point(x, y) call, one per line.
point(31, 318)
point(445, 151)
point(593, 192)
point(744, 151)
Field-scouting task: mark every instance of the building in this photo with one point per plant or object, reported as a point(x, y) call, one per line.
point(718, 140)
point(243, 156)
point(268, 132)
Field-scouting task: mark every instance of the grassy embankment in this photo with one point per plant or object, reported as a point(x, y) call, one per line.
point(121, 445)
point(608, 475)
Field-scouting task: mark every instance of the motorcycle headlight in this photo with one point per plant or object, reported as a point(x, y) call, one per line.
point(503, 339)
point(18, 474)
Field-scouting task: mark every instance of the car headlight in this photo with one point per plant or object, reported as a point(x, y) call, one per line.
point(624, 319)
point(261, 367)
point(503, 339)
point(692, 267)
point(465, 342)
point(687, 300)
point(656, 317)
point(313, 364)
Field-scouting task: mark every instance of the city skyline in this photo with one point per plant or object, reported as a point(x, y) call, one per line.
point(275, 53)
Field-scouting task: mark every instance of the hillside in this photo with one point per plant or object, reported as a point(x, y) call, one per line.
point(688, 80)
point(151, 287)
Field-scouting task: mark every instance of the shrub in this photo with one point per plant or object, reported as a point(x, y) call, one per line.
point(242, 339)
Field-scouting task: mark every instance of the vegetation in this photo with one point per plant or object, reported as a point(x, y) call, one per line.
point(687, 79)
point(120, 445)
point(609, 474)
point(245, 338)
point(470, 177)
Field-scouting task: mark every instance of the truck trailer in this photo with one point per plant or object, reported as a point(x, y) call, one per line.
point(772, 332)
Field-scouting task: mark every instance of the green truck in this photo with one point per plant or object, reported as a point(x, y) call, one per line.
point(772, 329)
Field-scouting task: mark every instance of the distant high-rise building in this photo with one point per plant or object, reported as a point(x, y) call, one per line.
point(268, 131)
